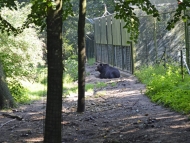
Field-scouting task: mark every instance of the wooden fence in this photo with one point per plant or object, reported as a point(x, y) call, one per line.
point(112, 44)
point(112, 47)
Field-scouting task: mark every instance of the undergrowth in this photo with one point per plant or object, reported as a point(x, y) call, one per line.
point(70, 73)
point(165, 86)
point(91, 61)
point(25, 91)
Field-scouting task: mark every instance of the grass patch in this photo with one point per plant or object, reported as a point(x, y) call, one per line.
point(91, 61)
point(71, 70)
point(69, 88)
point(113, 84)
point(33, 91)
point(165, 86)
point(100, 85)
point(89, 87)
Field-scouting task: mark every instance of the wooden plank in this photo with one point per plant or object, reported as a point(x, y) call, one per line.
point(125, 35)
point(97, 31)
point(116, 31)
point(103, 30)
point(109, 29)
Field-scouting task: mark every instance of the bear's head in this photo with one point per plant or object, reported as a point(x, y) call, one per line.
point(101, 67)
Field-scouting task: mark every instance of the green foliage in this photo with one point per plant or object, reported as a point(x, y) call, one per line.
point(179, 14)
point(69, 88)
point(11, 14)
point(67, 9)
point(35, 90)
point(18, 92)
point(6, 2)
point(146, 73)
point(165, 86)
point(41, 75)
point(89, 87)
point(91, 61)
point(37, 15)
point(71, 70)
point(95, 8)
point(5, 26)
point(20, 54)
point(125, 11)
point(68, 50)
point(100, 85)
point(24, 91)
point(39, 11)
point(113, 84)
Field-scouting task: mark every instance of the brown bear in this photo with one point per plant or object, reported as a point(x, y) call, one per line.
point(107, 71)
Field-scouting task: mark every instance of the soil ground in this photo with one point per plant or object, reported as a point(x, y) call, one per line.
point(118, 113)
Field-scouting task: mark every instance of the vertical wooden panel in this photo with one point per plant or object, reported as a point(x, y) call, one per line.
point(125, 35)
point(118, 51)
point(116, 31)
point(97, 30)
point(109, 29)
point(103, 30)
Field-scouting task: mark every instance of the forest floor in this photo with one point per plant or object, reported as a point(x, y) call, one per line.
point(113, 114)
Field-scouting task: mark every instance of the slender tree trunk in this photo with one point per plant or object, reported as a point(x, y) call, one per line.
point(55, 74)
point(81, 56)
point(6, 99)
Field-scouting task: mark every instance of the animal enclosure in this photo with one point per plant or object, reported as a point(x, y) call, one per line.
point(112, 44)
point(155, 44)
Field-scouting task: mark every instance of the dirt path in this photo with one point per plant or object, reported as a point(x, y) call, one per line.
point(118, 113)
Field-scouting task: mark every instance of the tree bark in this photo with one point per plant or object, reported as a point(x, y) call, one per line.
point(81, 56)
point(6, 99)
point(55, 74)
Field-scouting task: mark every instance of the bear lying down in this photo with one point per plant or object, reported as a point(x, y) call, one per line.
point(107, 72)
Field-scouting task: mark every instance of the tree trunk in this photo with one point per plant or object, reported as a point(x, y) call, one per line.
point(6, 99)
point(81, 56)
point(55, 74)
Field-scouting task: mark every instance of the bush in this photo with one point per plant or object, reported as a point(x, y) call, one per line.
point(41, 75)
point(18, 92)
point(166, 87)
point(89, 87)
point(71, 70)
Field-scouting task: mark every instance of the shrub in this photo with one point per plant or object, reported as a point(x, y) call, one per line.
point(18, 92)
point(166, 87)
point(71, 70)
point(89, 87)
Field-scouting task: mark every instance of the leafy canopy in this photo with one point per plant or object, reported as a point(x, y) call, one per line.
point(37, 16)
point(21, 53)
point(179, 14)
